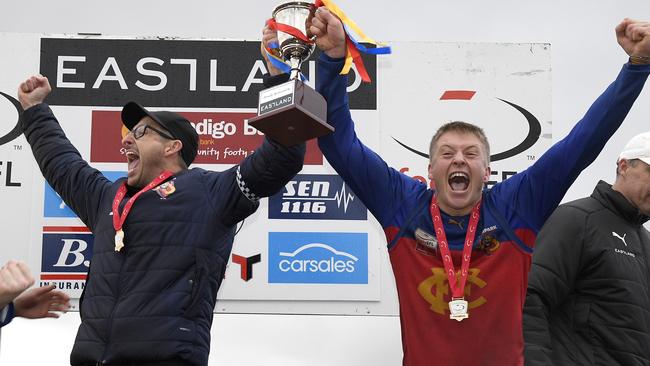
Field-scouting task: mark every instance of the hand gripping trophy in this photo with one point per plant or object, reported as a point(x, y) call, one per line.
point(292, 112)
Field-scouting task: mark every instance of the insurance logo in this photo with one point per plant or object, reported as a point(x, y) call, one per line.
point(318, 258)
point(66, 253)
point(314, 196)
point(55, 206)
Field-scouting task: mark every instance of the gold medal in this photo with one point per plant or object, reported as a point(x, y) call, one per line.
point(119, 240)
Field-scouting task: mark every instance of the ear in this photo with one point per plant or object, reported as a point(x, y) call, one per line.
point(173, 147)
point(430, 170)
point(488, 172)
point(622, 166)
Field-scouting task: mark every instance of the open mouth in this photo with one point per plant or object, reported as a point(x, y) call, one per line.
point(132, 159)
point(458, 181)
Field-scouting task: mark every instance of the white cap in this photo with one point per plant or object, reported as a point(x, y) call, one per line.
point(637, 148)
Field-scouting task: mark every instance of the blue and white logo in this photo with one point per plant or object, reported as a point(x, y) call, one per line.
point(318, 258)
point(54, 206)
point(317, 196)
point(67, 252)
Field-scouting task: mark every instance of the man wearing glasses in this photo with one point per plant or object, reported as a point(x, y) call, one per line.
point(163, 235)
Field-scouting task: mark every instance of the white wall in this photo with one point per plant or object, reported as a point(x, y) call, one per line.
point(585, 59)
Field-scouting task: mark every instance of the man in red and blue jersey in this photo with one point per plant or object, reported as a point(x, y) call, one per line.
point(444, 239)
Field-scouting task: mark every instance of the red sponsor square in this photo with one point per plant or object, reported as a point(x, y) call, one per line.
point(224, 138)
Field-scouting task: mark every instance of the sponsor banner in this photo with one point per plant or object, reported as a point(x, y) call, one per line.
point(246, 265)
point(323, 258)
point(317, 196)
point(169, 73)
point(18, 185)
point(66, 253)
point(9, 178)
point(53, 205)
point(11, 128)
point(507, 94)
point(224, 138)
point(13, 170)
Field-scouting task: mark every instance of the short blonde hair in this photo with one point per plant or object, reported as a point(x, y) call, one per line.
point(461, 127)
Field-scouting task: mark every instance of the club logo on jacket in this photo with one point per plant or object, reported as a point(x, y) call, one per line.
point(435, 289)
point(165, 189)
point(426, 243)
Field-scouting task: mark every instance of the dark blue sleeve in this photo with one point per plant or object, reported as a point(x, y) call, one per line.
point(381, 188)
point(8, 316)
point(536, 192)
point(81, 186)
point(270, 167)
point(236, 191)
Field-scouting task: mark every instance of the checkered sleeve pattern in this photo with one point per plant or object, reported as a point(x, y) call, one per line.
point(244, 189)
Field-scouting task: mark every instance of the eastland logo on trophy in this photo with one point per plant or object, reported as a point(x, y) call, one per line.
point(293, 112)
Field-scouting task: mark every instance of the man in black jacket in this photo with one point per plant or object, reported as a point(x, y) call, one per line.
point(163, 235)
point(588, 299)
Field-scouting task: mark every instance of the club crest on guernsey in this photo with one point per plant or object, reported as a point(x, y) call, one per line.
point(426, 243)
point(165, 189)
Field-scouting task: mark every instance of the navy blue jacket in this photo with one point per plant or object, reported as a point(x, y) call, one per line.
point(8, 311)
point(154, 300)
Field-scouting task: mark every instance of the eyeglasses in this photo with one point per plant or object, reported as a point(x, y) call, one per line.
point(140, 131)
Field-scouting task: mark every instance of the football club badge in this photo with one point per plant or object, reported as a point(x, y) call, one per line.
point(165, 189)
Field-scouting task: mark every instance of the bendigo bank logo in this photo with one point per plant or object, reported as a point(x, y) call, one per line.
point(435, 289)
point(340, 258)
point(14, 120)
point(534, 127)
point(66, 255)
point(314, 196)
point(224, 138)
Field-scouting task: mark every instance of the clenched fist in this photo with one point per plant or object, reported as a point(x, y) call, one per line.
point(634, 38)
point(33, 91)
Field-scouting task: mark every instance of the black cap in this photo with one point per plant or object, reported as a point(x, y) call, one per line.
point(179, 127)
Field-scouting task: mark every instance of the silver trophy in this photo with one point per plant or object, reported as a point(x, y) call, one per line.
point(297, 14)
point(292, 112)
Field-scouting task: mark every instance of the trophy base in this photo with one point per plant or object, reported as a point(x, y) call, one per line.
point(292, 113)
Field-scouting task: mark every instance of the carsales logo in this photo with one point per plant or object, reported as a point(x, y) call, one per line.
point(224, 138)
point(340, 258)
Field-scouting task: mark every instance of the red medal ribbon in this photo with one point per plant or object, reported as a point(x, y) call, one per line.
point(289, 30)
point(118, 220)
point(457, 289)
